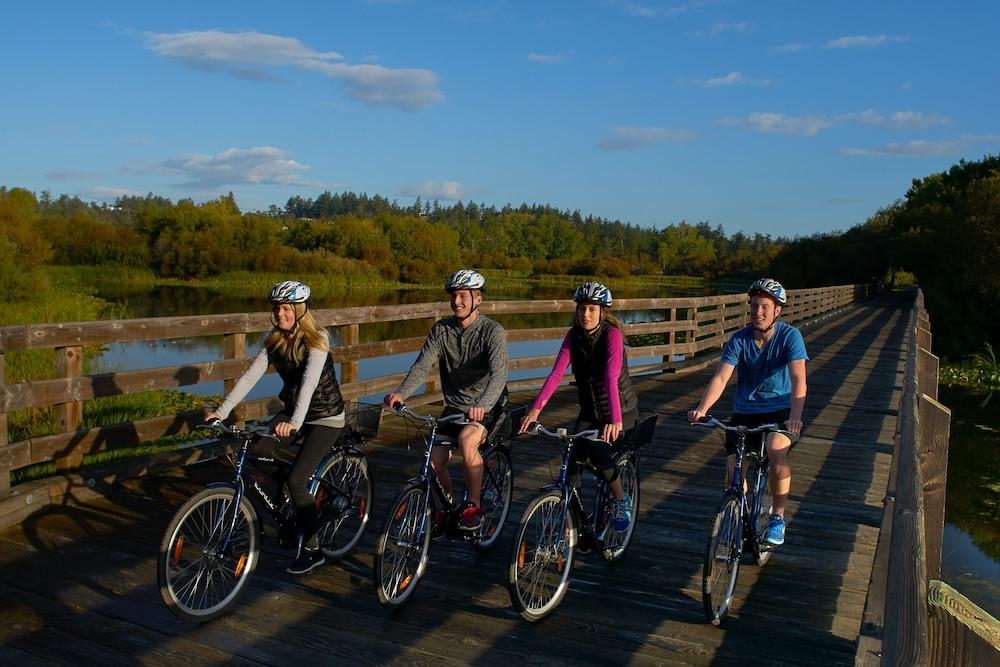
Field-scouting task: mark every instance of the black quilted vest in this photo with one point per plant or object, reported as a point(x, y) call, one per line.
point(589, 356)
point(326, 400)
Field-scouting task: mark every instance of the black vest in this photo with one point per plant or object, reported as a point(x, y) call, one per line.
point(326, 400)
point(589, 356)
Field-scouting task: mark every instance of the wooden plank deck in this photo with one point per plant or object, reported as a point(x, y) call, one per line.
point(78, 583)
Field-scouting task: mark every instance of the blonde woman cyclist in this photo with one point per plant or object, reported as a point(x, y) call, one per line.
point(300, 351)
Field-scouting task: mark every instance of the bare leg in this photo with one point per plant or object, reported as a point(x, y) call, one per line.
point(469, 440)
point(439, 463)
point(781, 473)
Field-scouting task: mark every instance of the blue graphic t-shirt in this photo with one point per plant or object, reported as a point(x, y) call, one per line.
point(763, 382)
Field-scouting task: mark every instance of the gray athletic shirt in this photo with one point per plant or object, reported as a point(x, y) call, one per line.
point(473, 363)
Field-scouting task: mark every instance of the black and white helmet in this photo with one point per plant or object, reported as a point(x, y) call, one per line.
point(769, 287)
point(289, 291)
point(593, 293)
point(465, 279)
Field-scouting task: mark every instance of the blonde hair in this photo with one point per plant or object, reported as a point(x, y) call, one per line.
point(606, 316)
point(305, 335)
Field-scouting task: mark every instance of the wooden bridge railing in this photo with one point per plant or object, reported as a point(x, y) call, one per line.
point(910, 617)
point(689, 326)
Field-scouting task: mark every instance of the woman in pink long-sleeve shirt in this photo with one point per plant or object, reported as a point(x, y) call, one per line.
point(596, 348)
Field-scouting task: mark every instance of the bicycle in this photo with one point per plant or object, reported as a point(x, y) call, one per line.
point(740, 522)
point(403, 548)
point(212, 544)
point(555, 523)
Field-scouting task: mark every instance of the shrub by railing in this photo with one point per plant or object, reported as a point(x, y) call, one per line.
point(690, 328)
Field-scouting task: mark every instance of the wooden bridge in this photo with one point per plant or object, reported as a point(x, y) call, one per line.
point(78, 583)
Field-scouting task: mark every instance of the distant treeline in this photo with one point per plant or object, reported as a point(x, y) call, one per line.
point(944, 231)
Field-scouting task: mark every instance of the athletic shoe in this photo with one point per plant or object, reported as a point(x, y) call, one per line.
point(307, 561)
point(472, 518)
point(622, 512)
point(774, 532)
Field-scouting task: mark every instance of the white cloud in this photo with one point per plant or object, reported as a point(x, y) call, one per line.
point(790, 48)
point(621, 137)
point(900, 120)
point(779, 123)
point(246, 55)
point(731, 79)
point(924, 148)
point(447, 190)
point(646, 11)
point(108, 194)
point(724, 27)
point(549, 58)
point(260, 165)
point(864, 41)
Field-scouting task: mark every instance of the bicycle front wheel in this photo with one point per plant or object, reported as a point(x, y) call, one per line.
point(615, 542)
point(759, 474)
point(343, 499)
point(542, 559)
point(203, 566)
point(498, 487)
point(403, 545)
point(722, 560)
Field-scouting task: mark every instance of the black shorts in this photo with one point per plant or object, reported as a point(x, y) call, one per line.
point(451, 431)
point(778, 417)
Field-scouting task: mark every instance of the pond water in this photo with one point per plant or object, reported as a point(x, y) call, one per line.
point(971, 550)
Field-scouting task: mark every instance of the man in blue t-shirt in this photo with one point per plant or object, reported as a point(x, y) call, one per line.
point(771, 388)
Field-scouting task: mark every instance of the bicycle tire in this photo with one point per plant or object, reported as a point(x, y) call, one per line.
point(197, 583)
point(763, 501)
point(403, 546)
point(495, 497)
point(722, 560)
point(615, 542)
point(539, 572)
point(347, 515)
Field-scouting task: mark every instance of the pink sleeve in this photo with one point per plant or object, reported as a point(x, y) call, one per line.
point(555, 376)
point(616, 349)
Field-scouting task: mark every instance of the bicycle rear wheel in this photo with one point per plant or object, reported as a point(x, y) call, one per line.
point(722, 560)
point(615, 542)
point(758, 473)
point(343, 500)
point(498, 487)
point(403, 545)
point(203, 567)
point(542, 557)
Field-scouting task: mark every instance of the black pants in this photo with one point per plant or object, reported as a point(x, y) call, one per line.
point(316, 442)
point(598, 453)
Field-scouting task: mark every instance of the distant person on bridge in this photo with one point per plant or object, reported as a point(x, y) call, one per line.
point(471, 351)
point(596, 348)
point(771, 388)
point(300, 351)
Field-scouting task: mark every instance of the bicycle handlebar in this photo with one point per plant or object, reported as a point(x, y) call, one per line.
point(711, 422)
point(220, 427)
point(563, 433)
point(400, 409)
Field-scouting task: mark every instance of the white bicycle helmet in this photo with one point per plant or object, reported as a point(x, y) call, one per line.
point(289, 291)
point(769, 287)
point(593, 293)
point(465, 279)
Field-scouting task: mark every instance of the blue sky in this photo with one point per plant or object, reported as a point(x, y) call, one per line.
point(779, 117)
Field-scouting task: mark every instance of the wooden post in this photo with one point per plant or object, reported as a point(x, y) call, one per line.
point(349, 335)
point(923, 338)
point(935, 423)
point(669, 316)
point(69, 415)
point(432, 382)
point(234, 346)
point(960, 633)
point(4, 457)
point(927, 372)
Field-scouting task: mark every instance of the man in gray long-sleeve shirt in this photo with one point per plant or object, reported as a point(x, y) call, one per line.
point(471, 351)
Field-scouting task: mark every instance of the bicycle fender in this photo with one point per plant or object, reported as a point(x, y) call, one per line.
point(221, 485)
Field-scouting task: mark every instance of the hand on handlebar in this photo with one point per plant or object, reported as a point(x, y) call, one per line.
point(528, 421)
point(611, 432)
point(476, 414)
point(794, 426)
point(393, 401)
point(695, 416)
point(284, 429)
